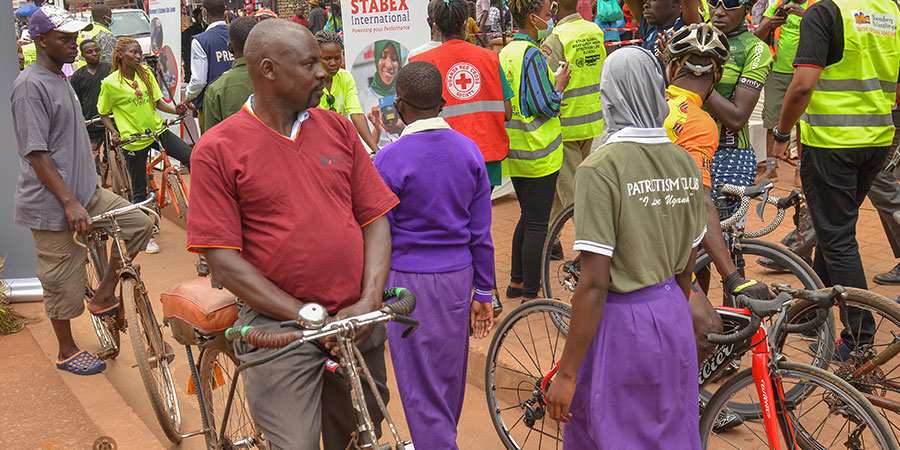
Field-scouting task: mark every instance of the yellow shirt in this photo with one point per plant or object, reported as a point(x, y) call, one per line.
point(133, 114)
point(343, 90)
point(692, 128)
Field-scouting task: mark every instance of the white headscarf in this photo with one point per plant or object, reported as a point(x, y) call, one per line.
point(632, 90)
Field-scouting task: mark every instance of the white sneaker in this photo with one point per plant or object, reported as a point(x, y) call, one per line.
point(152, 246)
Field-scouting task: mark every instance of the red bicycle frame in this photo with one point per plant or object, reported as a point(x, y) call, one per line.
point(164, 183)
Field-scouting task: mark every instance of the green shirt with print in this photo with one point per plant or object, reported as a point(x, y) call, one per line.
point(789, 39)
point(643, 206)
point(134, 108)
point(749, 64)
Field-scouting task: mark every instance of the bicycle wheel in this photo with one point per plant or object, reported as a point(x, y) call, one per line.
point(150, 352)
point(106, 327)
point(525, 347)
point(879, 381)
point(121, 183)
point(832, 414)
point(216, 370)
point(176, 189)
point(559, 272)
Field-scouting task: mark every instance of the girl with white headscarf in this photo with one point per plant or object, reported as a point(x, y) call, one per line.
point(628, 374)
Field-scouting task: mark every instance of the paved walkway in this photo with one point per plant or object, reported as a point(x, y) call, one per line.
point(45, 408)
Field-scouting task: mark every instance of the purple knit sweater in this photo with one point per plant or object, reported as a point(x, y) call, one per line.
point(443, 221)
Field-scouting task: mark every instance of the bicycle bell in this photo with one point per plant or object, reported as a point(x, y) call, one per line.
point(312, 316)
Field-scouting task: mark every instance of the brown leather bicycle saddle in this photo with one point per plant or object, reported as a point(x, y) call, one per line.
point(201, 305)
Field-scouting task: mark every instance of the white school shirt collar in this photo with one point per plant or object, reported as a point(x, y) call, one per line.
point(434, 123)
point(640, 136)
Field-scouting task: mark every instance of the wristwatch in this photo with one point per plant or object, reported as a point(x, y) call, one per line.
point(779, 137)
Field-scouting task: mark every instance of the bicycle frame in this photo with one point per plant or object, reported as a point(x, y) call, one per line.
point(163, 187)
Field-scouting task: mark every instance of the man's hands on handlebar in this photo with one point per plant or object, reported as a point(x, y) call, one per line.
point(78, 217)
point(366, 304)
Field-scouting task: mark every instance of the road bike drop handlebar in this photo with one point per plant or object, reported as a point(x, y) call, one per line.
point(148, 133)
point(760, 309)
point(761, 191)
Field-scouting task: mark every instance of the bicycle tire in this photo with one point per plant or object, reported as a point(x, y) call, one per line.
point(797, 269)
point(812, 379)
point(106, 328)
point(876, 383)
point(216, 369)
point(121, 183)
point(498, 374)
point(149, 351)
point(549, 283)
point(176, 189)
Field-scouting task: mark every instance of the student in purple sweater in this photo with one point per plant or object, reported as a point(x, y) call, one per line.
point(442, 251)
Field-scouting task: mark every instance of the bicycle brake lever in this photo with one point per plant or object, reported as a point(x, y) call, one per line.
point(762, 204)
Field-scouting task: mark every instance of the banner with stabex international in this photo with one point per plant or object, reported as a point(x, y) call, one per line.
point(378, 35)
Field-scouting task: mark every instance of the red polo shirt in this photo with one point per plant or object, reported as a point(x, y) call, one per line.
point(294, 208)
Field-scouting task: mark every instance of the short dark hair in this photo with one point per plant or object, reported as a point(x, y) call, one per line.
point(86, 42)
point(214, 8)
point(420, 82)
point(238, 32)
point(197, 14)
point(450, 17)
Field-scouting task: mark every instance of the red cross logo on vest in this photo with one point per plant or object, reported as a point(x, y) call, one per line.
point(463, 81)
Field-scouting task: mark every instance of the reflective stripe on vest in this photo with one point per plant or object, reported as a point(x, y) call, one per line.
point(535, 143)
point(581, 116)
point(851, 104)
point(474, 94)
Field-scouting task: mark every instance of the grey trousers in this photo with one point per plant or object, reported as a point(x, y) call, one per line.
point(293, 399)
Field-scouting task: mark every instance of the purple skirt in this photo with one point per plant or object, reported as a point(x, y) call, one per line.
point(637, 386)
point(430, 364)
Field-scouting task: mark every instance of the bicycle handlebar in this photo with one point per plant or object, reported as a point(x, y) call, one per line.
point(747, 193)
point(396, 311)
point(148, 133)
point(760, 309)
point(143, 206)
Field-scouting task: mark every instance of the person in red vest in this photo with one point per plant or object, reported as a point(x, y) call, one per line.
point(475, 89)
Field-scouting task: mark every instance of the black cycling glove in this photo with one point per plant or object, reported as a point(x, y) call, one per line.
point(736, 284)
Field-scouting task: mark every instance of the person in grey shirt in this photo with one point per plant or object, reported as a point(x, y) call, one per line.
point(56, 190)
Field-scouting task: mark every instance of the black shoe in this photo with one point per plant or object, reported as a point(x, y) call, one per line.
point(771, 265)
point(556, 254)
point(892, 277)
point(727, 420)
point(498, 307)
point(514, 292)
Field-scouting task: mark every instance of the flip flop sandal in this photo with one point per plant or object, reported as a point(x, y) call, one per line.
point(111, 311)
point(82, 363)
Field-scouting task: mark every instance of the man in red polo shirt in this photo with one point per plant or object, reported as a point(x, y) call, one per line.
point(288, 208)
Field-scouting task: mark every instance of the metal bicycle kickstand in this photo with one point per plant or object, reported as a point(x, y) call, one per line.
point(352, 360)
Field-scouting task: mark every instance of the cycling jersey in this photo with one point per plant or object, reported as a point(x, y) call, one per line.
point(692, 128)
point(749, 66)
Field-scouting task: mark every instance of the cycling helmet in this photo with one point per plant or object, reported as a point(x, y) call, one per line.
point(698, 39)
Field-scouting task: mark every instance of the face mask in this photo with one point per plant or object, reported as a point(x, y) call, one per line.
point(543, 34)
point(111, 20)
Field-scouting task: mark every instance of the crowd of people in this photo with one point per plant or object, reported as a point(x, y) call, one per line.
point(299, 196)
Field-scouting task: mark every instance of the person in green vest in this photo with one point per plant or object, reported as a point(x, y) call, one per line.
point(101, 18)
point(580, 43)
point(787, 15)
point(844, 87)
point(535, 139)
